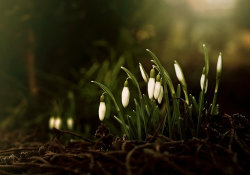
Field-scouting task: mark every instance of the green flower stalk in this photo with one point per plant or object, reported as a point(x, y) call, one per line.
point(102, 108)
point(125, 94)
point(214, 109)
point(151, 84)
point(203, 88)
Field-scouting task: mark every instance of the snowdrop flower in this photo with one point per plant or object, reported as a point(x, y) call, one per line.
point(178, 72)
point(102, 108)
point(143, 73)
point(219, 65)
point(160, 95)
point(70, 123)
point(202, 83)
point(51, 122)
point(157, 87)
point(57, 123)
point(125, 94)
point(151, 84)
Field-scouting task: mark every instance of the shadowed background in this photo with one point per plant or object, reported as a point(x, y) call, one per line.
point(51, 50)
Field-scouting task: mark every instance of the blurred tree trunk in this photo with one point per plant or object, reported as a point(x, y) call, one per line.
point(31, 63)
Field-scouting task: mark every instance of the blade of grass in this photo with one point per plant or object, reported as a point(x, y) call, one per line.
point(134, 80)
point(106, 90)
point(163, 72)
point(166, 80)
point(137, 109)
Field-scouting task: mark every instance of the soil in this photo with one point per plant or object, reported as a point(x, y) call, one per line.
point(223, 148)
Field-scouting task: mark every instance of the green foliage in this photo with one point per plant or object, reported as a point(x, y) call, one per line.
point(177, 118)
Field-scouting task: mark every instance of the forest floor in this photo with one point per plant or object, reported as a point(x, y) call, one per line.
point(224, 149)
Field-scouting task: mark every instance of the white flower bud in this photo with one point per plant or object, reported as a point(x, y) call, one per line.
point(151, 84)
point(160, 95)
point(157, 87)
point(219, 64)
point(202, 83)
point(151, 87)
point(178, 72)
point(125, 96)
point(51, 122)
point(70, 123)
point(143, 73)
point(102, 108)
point(57, 123)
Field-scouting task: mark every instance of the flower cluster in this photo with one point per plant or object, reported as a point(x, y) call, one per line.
point(155, 88)
point(147, 112)
point(56, 122)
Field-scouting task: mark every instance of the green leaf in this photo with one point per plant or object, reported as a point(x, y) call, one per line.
point(107, 90)
point(164, 73)
point(134, 80)
point(195, 105)
point(178, 93)
point(119, 121)
point(131, 125)
point(137, 109)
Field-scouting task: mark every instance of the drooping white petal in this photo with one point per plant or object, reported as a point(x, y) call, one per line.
point(57, 123)
point(125, 96)
point(102, 110)
point(178, 72)
point(51, 122)
point(151, 87)
point(161, 95)
point(143, 74)
point(70, 123)
point(157, 89)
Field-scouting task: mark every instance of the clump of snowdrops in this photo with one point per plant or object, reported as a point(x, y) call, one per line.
point(165, 109)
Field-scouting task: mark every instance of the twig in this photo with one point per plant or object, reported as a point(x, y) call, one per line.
point(242, 145)
point(129, 155)
point(103, 169)
point(170, 163)
point(61, 132)
point(165, 138)
point(2, 172)
point(232, 131)
point(40, 159)
point(19, 149)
